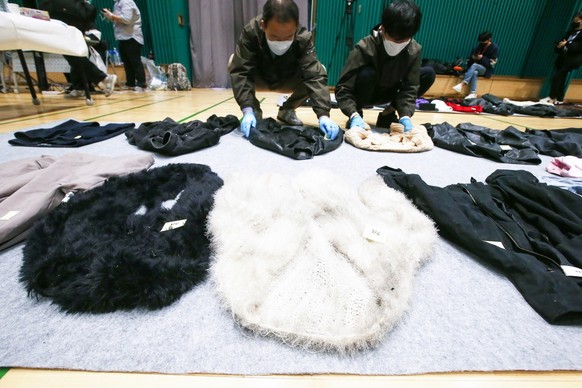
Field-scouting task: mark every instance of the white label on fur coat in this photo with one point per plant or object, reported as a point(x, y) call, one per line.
point(9, 215)
point(572, 271)
point(498, 244)
point(374, 233)
point(173, 225)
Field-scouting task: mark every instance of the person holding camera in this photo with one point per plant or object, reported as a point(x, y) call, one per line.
point(569, 51)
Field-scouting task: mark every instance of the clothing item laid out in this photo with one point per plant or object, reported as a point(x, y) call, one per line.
point(395, 140)
point(494, 105)
point(507, 146)
point(171, 138)
point(465, 109)
point(136, 242)
point(30, 188)
point(298, 142)
point(71, 133)
point(312, 261)
point(571, 184)
point(566, 166)
point(528, 231)
point(557, 142)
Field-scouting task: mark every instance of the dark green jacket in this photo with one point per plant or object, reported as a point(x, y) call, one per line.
point(252, 58)
point(401, 72)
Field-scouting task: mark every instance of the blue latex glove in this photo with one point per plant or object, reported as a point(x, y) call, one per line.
point(405, 120)
point(357, 121)
point(328, 127)
point(249, 120)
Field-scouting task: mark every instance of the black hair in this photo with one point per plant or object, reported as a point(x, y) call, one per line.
point(282, 10)
point(401, 19)
point(485, 35)
point(578, 15)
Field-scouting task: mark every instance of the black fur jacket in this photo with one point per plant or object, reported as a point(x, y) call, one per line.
point(106, 249)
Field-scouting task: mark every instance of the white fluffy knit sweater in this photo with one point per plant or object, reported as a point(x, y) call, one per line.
point(290, 259)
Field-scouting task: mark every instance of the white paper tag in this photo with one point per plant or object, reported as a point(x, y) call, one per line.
point(9, 215)
point(573, 272)
point(173, 225)
point(77, 137)
point(68, 196)
point(498, 244)
point(374, 233)
point(505, 147)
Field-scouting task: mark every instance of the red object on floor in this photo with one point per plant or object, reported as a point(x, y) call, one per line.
point(468, 109)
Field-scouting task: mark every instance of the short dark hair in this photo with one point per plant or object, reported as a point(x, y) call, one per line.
point(401, 19)
point(282, 10)
point(485, 35)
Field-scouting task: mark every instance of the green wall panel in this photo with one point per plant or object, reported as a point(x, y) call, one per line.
point(524, 30)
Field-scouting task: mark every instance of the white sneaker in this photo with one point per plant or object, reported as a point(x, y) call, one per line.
point(75, 94)
point(458, 87)
point(472, 95)
point(108, 84)
point(557, 102)
point(139, 89)
point(546, 100)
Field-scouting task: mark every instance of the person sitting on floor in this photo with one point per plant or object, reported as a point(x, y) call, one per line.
point(382, 68)
point(274, 52)
point(482, 62)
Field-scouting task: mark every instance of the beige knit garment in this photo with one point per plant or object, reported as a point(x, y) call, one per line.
point(416, 140)
point(290, 259)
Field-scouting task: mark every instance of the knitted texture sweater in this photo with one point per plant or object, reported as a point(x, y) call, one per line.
point(290, 259)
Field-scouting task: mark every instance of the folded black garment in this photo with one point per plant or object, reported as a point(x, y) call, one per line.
point(71, 133)
point(138, 241)
point(506, 146)
point(171, 138)
point(556, 142)
point(299, 142)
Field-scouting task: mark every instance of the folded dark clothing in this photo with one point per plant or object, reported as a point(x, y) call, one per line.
point(71, 133)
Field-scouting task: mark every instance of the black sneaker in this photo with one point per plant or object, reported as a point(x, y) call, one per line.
point(289, 116)
point(387, 117)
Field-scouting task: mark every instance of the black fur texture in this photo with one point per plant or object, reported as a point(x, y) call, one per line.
point(100, 253)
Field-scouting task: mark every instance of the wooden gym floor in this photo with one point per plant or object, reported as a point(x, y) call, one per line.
point(18, 113)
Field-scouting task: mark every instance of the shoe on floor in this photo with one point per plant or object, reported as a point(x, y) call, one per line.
point(547, 100)
point(387, 117)
point(108, 84)
point(458, 88)
point(470, 96)
point(75, 94)
point(288, 116)
point(139, 89)
point(557, 102)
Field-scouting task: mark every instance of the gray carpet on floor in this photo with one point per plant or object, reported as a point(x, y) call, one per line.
point(463, 316)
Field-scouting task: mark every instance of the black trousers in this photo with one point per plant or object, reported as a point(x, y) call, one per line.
point(80, 66)
point(293, 85)
point(558, 87)
point(130, 53)
point(368, 92)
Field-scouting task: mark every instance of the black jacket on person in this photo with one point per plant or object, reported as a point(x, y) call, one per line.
point(299, 143)
point(77, 13)
point(570, 55)
point(488, 60)
point(519, 226)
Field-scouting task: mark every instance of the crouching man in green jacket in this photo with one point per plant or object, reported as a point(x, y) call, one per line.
point(275, 53)
point(384, 67)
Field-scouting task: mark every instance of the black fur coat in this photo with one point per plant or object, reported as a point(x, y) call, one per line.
point(105, 250)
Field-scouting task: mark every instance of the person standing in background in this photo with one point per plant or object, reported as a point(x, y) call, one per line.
point(569, 51)
point(126, 20)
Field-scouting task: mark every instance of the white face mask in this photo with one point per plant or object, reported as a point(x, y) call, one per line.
point(392, 48)
point(279, 47)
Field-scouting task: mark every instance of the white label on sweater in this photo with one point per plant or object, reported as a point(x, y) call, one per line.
point(573, 272)
point(9, 215)
point(374, 233)
point(498, 244)
point(173, 225)
point(505, 147)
